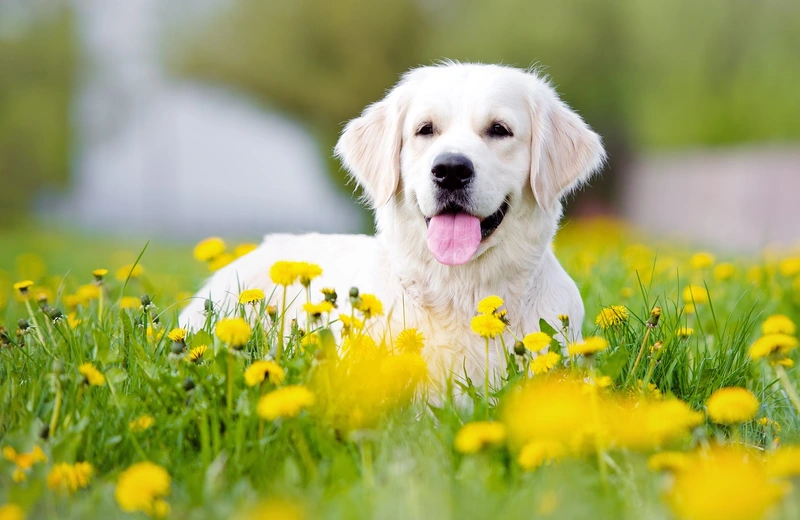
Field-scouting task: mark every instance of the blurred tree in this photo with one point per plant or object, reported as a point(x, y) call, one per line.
point(37, 59)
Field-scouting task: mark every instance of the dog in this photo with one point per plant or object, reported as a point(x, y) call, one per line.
point(465, 166)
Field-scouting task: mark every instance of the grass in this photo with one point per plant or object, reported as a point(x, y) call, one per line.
point(369, 449)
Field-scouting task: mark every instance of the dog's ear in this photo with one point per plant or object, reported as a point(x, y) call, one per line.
point(369, 148)
point(565, 152)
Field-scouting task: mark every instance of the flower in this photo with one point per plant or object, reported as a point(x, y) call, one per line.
point(11, 512)
point(668, 461)
point(536, 341)
point(69, 478)
point(234, 331)
point(243, 249)
point(611, 316)
point(178, 335)
point(141, 423)
point(702, 260)
point(142, 487)
point(695, 294)
point(784, 462)
point(209, 249)
point(316, 309)
point(370, 305)
point(283, 273)
point(157, 334)
point(770, 344)
point(99, 274)
point(23, 286)
point(410, 341)
point(537, 453)
point(220, 261)
point(588, 346)
point(23, 461)
point(684, 332)
point(129, 271)
point(732, 405)
point(251, 296)
point(564, 319)
point(487, 325)
point(543, 363)
point(790, 267)
point(273, 509)
point(349, 324)
point(778, 324)
point(88, 292)
point(475, 436)
point(196, 354)
point(258, 371)
point(285, 402)
point(489, 304)
point(93, 376)
point(306, 272)
point(130, 302)
point(724, 271)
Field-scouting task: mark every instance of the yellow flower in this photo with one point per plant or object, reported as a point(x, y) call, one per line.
point(73, 321)
point(724, 271)
point(273, 509)
point(130, 302)
point(732, 405)
point(370, 305)
point(258, 371)
point(588, 346)
point(234, 331)
point(410, 341)
point(88, 292)
point(209, 249)
point(306, 272)
point(536, 341)
point(702, 260)
point(286, 402)
point(611, 316)
point(178, 335)
point(778, 324)
point(196, 354)
point(543, 363)
point(251, 296)
point(142, 487)
point(669, 461)
point(684, 332)
point(220, 261)
point(93, 376)
point(69, 478)
point(490, 304)
point(537, 453)
point(11, 512)
point(772, 344)
point(790, 267)
point(487, 325)
point(626, 292)
point(99, 273)
point(784, 462)
point(23, 461)
point(316, 309)
point(141, 423)
point(349, 324)
point(475, 436)
point(695, 294)
point(284, 273)
point(23, 286)
point(134, 272)
point(564, 319)
point(157, 334)
point(242, 249)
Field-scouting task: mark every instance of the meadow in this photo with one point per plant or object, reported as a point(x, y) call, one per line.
point(680, 402)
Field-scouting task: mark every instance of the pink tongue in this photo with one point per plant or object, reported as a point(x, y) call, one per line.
point(453, 239)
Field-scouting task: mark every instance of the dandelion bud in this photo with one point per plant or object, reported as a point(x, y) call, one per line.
point(23, 324)
point(58, 367)
point(655, 314)
point(208, 305)
point(41, 299)
point(146, 301)
point(354, 292)
point(519, 348)
point(177, 347)
point(272, 312)
point(188, 384)
point(55, 314)
point(564, 319)
point(657, 346)
point(330, 295)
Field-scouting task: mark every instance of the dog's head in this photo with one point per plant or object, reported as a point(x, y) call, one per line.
point(466, 144)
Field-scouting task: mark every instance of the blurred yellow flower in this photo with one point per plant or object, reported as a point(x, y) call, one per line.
point(286, 402)
point(73, 320)
point(141, 423)
point(259, 370)
point(370, 305)
point(589, 346)
point(695, 294)
point(23, 286)
point(142, 487)
point(130, 302)
point(784, 462)
point(732, 405)
point(410, 340)
point(69, 478)
point(684, 332)
point(88, 292)
point(284, 273)
point(178, 335)
point(669, 461)
point(251, 296)
point(99, 273)
point(772, 344)
point(536, 341)
point(490, 304)
point(243, 249)
point(93, 376)
point(306, 272)
point(487, 325)
point(349, 324)
point(209, 249)
point(134, 272)
point(537, 453)
point(196, 354)
point(778, 324)
point(476, 436)
point(611, 316)
point(23, 461)
point(543, 363)
point(790, 267)
point(724, 271)
point(11, 512)
point(218, 262)
point(234, 331)
point(702, 260)
point(317, 309)
point(273, 509)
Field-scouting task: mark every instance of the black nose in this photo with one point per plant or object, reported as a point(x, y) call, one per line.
point(452, 171)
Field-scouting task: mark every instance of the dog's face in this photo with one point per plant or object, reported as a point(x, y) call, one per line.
point(464, 143)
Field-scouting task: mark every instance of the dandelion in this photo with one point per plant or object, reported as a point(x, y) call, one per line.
point(490, 304)
point(129, 271)
point(286, 402)
point(220, 261)
point(370, 306)
point(695, 294)
point(69, 478)
point(350, 324)
point(476, 436)
point(684, 332)
point(141, 423)
point(564, 319)
point(410, 341)
point(587, 347)
point(702, 260)
point(258, 371)
point(251, 296)
point(196, 354)
point(536, 341)
point(23, 287)
point(91, 375)
point(772, 344)
point(155, 334)
point(142, 487)
point(306, 272)
point(784, 462)
point(317, 309)
point(233, 331)
point(99, 274)
point(243, 249)
point(724, 271)
point(790, 267)
point(543, 363)
point(732, 405)
point(273, 509)
point(778, 324)
point(129, 302)
point(487, 325)
point(23, 461)
point(611, 316)
point(209, 249)
point(669, 461)
point(11, 512)
point(283, 273)
point(178, 335)
point(537, 453)
point(330, 295)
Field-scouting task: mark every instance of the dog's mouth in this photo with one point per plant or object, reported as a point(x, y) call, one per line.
point(454, 235)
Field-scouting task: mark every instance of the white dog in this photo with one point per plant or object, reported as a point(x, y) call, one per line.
point(465, 166)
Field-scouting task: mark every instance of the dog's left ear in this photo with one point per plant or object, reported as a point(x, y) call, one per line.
point(369, 148)
point(565, 152)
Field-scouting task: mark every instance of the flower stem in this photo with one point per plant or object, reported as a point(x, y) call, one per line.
point(786, 383)
point(279, 351)
point(638, 357)
point(229, 397)
point(56, 408)
point(486, 380)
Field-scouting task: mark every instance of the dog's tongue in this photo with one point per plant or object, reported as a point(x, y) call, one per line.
point(454, 238)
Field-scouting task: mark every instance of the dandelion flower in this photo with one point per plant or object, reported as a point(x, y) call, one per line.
point(130, 302)
point(220, 261)
point(23, 286)
point(772, 344)
point(306, 272)
point(732, 405)
point(724, 271)
point(317, 309)
point(475, 436)
point(243, 249)
point(611, 316)
point(684, 332)
point(283, 273)
point(196, 354)
point(286, 402)
point(178, 335)
point(410, 341)
point(251, 296)
point(588, 346)
point(695, 294)
point(564, 319)
point(142, 487)
point(234, 331)
point(141, 423)
point(93, 376)
point(537, 453)
point(11, 512)
point(778, 324)
point(208, 249)
point(536, 341)
point(69, 478)
point(668, 461)
point(99, 274)
point(370, 306)
point(702, 260)
point(349, 324)
point(543, 363)
point(784, 462)
point(132, 271)
point(487, 325)
point(790, 267)
point(259, 370)
point(23, 461)
point(490, 304)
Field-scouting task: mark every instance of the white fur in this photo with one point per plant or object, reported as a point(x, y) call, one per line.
point(551, 152)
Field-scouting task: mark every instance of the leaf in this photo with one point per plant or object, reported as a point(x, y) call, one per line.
point(201, 337)
point(546, 328)
point(615, 363)
point(116, 375)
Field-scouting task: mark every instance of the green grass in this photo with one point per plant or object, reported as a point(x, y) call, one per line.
point(223, 462)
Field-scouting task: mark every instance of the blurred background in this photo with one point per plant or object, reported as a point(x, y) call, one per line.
point(180, 119)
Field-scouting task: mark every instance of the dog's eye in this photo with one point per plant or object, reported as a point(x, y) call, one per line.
point(425, 129)
point(499, 130)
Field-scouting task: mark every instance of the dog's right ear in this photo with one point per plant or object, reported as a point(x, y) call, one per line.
point(370, 146)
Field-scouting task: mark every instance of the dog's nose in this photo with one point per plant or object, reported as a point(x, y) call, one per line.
point(452, 171)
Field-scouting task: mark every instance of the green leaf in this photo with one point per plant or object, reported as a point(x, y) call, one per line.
point(615, 363)
point(116, 375)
